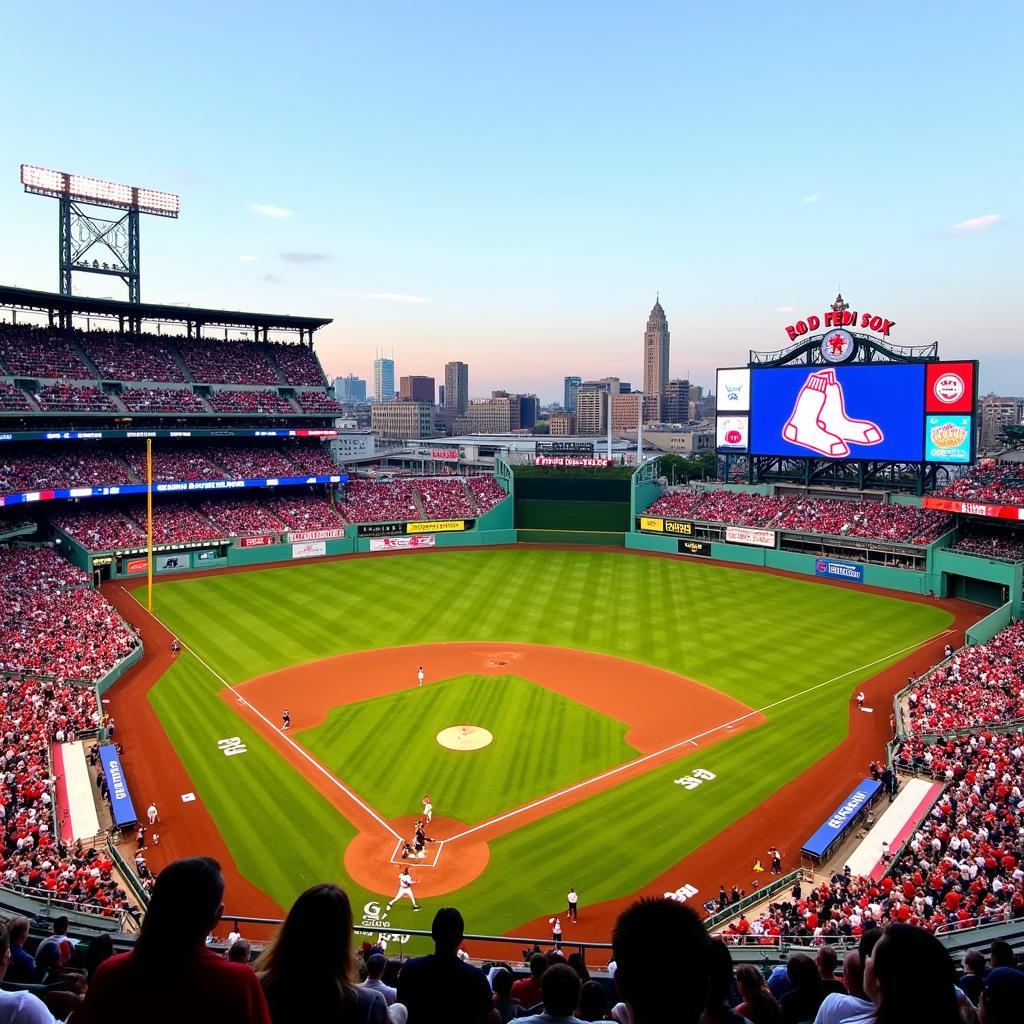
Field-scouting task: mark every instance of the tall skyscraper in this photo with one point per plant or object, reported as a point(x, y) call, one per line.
point(570, 386)
point(416, 389)
point(456, 387)
point(656, 341)
point(384, 380)
point(349, 388)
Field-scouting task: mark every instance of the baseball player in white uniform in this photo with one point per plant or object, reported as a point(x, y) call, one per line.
point(419, 675)
point(428, 808)
point(405, 884)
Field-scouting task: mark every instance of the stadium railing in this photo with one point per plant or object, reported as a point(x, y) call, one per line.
point(127, 872)
point(780, 884)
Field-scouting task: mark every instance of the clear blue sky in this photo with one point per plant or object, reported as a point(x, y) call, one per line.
point(511, 184)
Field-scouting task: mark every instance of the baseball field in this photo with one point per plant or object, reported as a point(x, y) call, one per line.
point(637, 707)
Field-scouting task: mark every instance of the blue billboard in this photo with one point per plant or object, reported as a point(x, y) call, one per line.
point(841, 819)
point(855, 411)
point(120, 799)
point(837, 570)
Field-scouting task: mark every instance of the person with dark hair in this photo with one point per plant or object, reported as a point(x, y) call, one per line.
point(527, 990)
point(559, 992)
point(23, 1007)
point(507, 1007)
point(826, 961)
point(308, 970)
point(838, 1006)
point(442, 989)
point(1001, 954)
point(100, 950)
point(662, 954)
point(58, 941)
point(973, 978)
point(593, 1002)
point(576, 962)
point(808, 993)
point(718, 1010)
point(759, 1006)
point(909, 977)
point(239, 952)
point(1002, 998)
point(376, 965)
point(171, 972)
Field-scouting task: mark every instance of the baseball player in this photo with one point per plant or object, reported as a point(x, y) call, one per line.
point(405, 884)
point(428, 808)
point(286, 719)
point(419, 675)
point(556, 931)
point(151, 813)
point(573, 900)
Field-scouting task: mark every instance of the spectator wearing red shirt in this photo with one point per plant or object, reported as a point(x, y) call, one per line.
point(171, 972)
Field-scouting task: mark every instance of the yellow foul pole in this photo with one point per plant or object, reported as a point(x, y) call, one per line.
point(149, 524)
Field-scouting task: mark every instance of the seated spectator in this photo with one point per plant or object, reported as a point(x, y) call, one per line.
point(994, 483)
point(259, 403)
point(13, 399)
point(1002, 997)
point(376, 965)
point(826, 962)
point(487, 492)
point(837, 1006)
point(1001, 954)
point(720, 988)
point(802, 1002)
point(22, 966)
point(973, 979)
point(19, 1007)
point(318, 402)
point(100, 950)
point(909, 977)
point(161, 400)
point(508, 1007)
point(239, 952)
point(662, 962)
point(526, 991)
point(441, 988)
point(758, 1004)
point(298, 364)
point(308, 970)
point(225, 362)
point(170, 972)
point(559, 992)
point(593, 1002)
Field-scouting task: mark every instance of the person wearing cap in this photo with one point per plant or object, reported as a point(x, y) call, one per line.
point(375, 967)
point(441, 988)
point(1002, 998)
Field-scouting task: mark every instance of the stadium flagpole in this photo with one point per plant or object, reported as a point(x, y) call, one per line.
point(149, 524)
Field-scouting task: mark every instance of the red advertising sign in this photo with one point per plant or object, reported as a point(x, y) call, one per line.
point(840, 318)
point(256, 542)
point(973, 508)
point(950, 387)
point(560, 460)
point(134, 565)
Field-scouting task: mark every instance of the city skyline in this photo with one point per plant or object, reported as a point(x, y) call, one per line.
point(515, 197)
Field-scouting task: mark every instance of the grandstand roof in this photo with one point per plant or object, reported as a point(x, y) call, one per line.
point(67, 305)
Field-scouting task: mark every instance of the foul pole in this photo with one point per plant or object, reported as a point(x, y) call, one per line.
point(149, 524)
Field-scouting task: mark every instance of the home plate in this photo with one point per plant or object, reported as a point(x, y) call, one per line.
point(187, 798)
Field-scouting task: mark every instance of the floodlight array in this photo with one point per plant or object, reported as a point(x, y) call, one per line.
point(95, 190)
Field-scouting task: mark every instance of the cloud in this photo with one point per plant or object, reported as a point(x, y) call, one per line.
point(265, 210)
point(394, 297)
point(783, 309)
point(305, 257)
point(246, 259)
point(271, 278)
point(988, 220)
point(812, 199)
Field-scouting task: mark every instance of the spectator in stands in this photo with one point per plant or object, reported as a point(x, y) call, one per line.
point(973, 979)
point(758, 1005)
point(854, 1002)
point(375, 967)
point(308, 970)
point(720, 988)
point(560, 992)
point(527, 990)
point(57, 941)
point(19, 1007)
point(22, 965)
point(508, 1007)
point(170, 972)
point(662, 962)
point(1001, 954)
point(100, 950)
point(443, 988)
point(1003, 997)
point(826, 961)
point(909, 977)
point(239, 952)
point(808, 992)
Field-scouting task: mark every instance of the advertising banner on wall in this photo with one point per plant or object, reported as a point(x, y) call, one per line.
point(974, 508)
point(841, 819)
point(658, 524)
point(256, 542)
point(135, 565)
point(437, 526)
point(309, 549)
point(402, 543)
point(302, 535)
point(743, 535)
point(120, 798)
point(697, 548)
point(947, 438)
point(172, 563)
point(560, 460)
point(849, 571)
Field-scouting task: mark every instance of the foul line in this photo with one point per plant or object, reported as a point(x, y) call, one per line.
point(259, 714)
point(682, 743)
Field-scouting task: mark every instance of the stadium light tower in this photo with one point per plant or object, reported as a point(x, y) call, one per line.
point(80, 232)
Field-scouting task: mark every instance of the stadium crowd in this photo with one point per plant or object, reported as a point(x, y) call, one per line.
point(367, 501)
point(445, 498)
point(28, 351)
point(12, 398)
point(241, 518)
point(903, 523)
point(74, 398)
point(304, 512)
point(129, 356)
point(995, 483)
point(257, 403)
point(297, 364)
point(1004, 544)
point(225, 362)
point(487, 492)
point(98, 528)
point(318, 402)
point(161, 400)
point(24, 469)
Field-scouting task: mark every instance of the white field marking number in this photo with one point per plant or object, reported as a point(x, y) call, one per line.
point(699, 776)
point(683, 893)
point(231, 746)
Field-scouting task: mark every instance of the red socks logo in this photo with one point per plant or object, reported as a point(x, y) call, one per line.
point(819, 419)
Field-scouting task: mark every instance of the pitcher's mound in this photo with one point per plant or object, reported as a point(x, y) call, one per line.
point(464, 737)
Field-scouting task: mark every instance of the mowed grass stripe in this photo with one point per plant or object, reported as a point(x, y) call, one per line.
point(542, 743)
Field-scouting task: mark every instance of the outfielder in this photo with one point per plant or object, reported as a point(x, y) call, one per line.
point(405, 884)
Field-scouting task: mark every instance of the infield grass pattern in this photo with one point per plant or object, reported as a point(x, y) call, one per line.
point(758, 637)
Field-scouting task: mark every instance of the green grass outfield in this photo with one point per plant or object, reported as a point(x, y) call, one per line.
point(758, 637)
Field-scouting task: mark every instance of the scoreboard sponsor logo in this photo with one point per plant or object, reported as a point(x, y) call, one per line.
point(742, 535)
point(402, 543)
point(948, 439)
point(437, 526)
point(658, 524)
point(850, 571)
point(696, 548)
point(949, 388)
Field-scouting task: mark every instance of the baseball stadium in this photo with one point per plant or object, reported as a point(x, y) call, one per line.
point(494, 675)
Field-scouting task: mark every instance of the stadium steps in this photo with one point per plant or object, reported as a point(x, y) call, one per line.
point(471, 498)
point(83, 358)
point(268, 357)
point(176, 356)
point(417, 500)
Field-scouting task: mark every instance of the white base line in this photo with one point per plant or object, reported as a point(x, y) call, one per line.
point(259, 714)
point(412, 863)
point(682, 743)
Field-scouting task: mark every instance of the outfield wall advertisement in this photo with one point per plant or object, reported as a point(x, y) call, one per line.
point(744, 535)
point(656, 524)
point(310, 549)
point(402, 543)
point(419, 527)
point(696, 548)
point(852, 572)
point(974, 508)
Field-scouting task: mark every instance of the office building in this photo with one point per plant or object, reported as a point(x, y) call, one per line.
point(523, 410)
point(570, 385)
point(383, 380)
point(486, 416)
point(416, 389)
point(625, 412)
point(440, 396)
point(403, 420)
point(562, 424)
point(656, 347)
point(676, 407)
point(456, 387)
point(995, 414)
point(350, 388)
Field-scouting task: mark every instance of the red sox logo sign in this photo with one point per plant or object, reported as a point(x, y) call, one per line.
point(819, 421)
point(821, 565)
point(949, 388)
point(837, 346)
